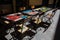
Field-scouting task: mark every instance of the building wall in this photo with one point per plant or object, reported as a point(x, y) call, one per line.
point(35, 2)
point(5, 8)
point(50, 1)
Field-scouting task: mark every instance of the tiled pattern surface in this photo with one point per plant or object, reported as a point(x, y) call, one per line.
point(49, 34)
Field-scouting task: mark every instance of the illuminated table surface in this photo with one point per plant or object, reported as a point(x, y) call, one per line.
point(23, 28)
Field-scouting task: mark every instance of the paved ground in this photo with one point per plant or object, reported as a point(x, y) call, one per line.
point(49, 34)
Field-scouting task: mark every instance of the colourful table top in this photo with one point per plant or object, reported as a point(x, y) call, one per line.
point(27, 11)
point(43, 9)
point(15, 17)
point(30, 12)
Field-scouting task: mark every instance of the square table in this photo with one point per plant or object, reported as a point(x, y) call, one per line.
point(12, 20)
point(43, 9)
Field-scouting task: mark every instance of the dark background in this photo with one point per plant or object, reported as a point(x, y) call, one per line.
point(25, 3)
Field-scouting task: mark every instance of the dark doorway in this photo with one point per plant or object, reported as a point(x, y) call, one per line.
point(58, 4)
point(45, 2)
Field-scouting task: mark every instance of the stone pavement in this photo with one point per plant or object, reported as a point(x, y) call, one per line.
point(49, 34)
